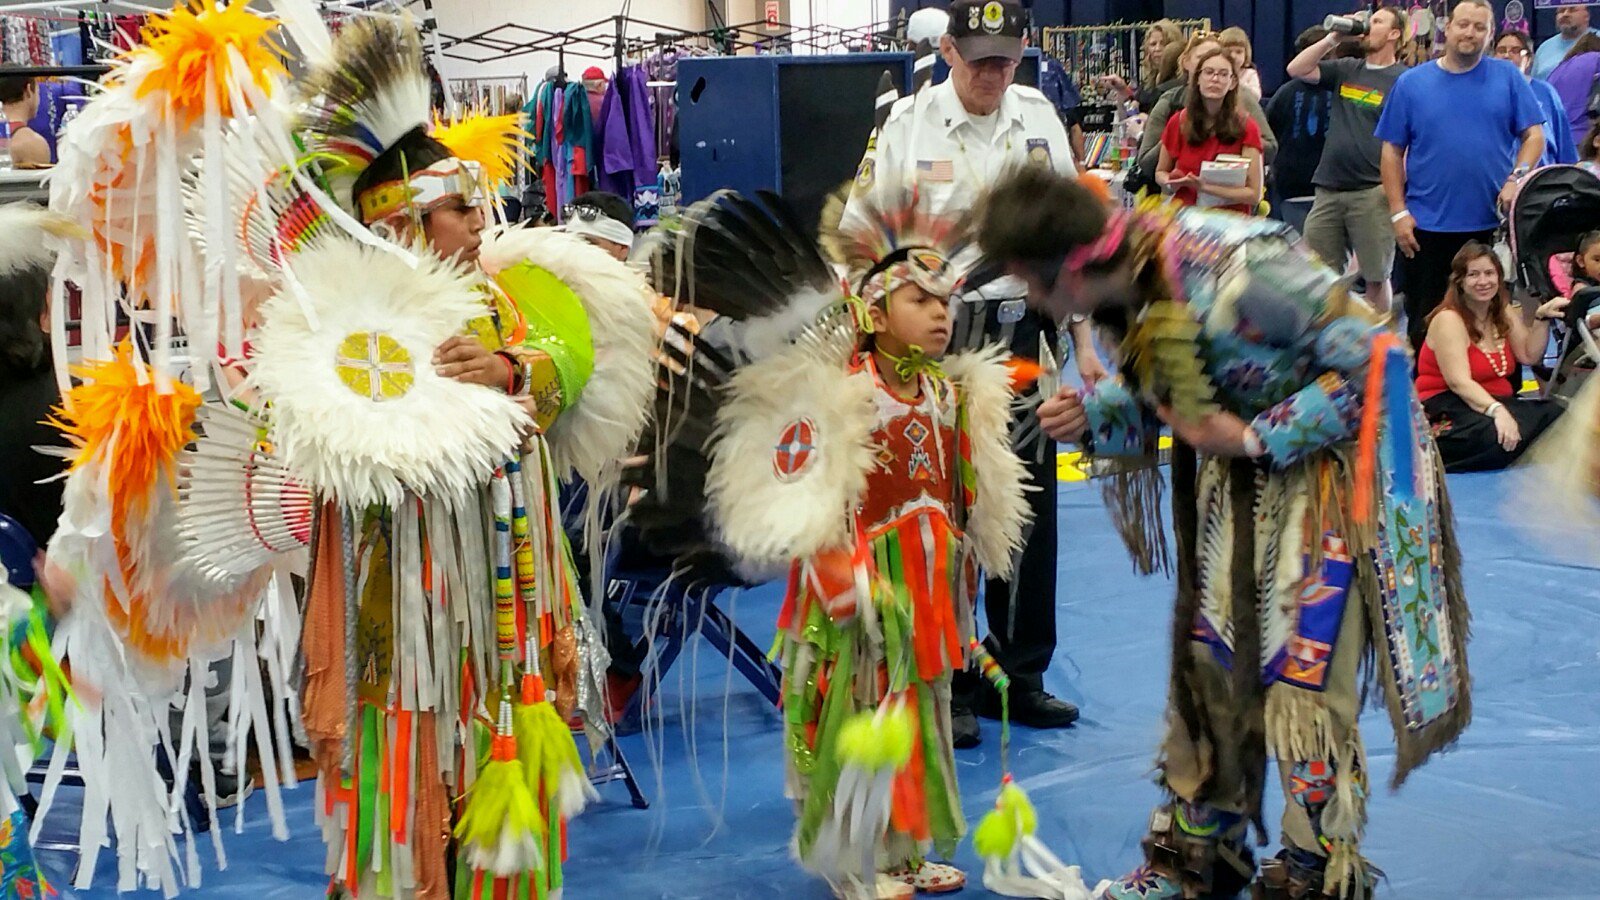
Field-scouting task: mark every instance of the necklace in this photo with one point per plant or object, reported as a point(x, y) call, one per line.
point(1499, 359)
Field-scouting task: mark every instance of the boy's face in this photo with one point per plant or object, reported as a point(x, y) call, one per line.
point(915, 317)
point(455, 230)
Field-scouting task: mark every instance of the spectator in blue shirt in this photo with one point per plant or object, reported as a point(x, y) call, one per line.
point(1457, 134)
point(1573, 21)
point(1516, 47)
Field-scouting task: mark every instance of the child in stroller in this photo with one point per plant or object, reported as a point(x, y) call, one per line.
point(1577, 354)
point(1556, 209)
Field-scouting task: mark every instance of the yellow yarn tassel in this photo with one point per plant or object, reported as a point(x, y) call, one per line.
point(501, 829)
point(1013, 818)
point(548, 753)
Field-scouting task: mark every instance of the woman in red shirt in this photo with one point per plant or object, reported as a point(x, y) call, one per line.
point(1471, 364)
point(1210, 125)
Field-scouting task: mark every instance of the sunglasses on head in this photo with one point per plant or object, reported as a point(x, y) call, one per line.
point(585, 212)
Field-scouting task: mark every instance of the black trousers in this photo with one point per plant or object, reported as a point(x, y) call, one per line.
point(1467, 439)
point(1021, 613)
point(1427, 275)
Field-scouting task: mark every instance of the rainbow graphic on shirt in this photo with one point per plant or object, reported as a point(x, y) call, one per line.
point(1371, 98)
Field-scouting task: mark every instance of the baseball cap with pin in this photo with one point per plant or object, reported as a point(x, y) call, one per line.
point(986, 29)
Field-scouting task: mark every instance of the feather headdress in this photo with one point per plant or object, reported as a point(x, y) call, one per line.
point(368, 126)
point(491, 143)
point(896, 238)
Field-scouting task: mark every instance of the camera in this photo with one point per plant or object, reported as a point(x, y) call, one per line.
point(1351, 25)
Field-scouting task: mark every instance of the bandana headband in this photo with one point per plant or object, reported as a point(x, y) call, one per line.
point(599, 226)
point(424, 191)
point(1102, 249)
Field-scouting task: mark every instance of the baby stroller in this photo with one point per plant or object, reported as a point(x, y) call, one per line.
point(1554, 207)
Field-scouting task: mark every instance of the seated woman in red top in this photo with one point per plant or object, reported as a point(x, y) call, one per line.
point(1464, 373)
point(1210, 125)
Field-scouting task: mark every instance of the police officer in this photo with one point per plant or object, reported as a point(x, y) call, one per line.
point(953, 140)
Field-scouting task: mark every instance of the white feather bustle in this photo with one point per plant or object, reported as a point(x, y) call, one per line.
point(239, 509)
point(996, 521)
point(768, 521)
point(608, 418)
point(441, 438)
point(124, 792)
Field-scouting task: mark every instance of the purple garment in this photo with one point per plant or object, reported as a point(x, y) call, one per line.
point(1572, 80)
point(560, 152)
point(626, 134)
point(56, 99)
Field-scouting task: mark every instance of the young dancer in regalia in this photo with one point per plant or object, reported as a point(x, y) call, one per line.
point(879, 474)
point(447, 643)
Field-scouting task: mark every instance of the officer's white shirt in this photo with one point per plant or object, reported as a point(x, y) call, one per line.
point(930, 140)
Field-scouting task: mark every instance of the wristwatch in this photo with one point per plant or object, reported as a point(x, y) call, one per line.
point(1519, 171)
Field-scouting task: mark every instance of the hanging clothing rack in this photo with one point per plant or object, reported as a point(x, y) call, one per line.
point(1089, 52)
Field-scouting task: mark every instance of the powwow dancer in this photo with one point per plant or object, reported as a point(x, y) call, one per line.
point(1310, 513)
point(446, 641)
point(154, 601)
point(845, 451)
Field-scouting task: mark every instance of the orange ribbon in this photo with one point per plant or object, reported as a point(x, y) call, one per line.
point(1371, 411)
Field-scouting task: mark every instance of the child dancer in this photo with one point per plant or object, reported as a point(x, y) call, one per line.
point(881, 477)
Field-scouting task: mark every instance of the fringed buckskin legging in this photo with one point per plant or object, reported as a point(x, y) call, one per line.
point(1245, 537)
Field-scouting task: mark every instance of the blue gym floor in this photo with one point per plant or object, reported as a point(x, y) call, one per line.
point(1510, 812)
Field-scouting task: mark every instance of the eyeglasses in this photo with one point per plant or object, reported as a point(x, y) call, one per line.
point(585, 212)
point(1216, 74)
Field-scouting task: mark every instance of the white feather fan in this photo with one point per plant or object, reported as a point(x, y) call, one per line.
point(605, 424)
point(367, 423)
point(997, 518)
point(769, 520)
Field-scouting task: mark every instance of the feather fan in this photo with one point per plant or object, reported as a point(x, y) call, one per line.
point(358, 410)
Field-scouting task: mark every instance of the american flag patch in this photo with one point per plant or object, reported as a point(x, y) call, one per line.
point(936, 170)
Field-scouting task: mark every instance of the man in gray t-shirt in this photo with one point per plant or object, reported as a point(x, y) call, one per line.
point(1350, 212)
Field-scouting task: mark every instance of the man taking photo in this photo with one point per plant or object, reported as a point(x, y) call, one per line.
point(1350, 212)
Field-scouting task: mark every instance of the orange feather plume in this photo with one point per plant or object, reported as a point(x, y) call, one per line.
point(1096, 186)
point(118, 418)
point(200, 44)
point(493, 142)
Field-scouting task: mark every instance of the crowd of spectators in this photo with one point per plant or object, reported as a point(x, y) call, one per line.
point(1399, 168)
